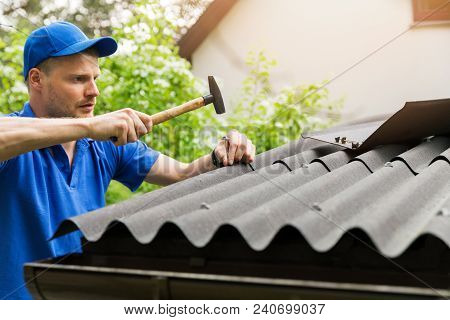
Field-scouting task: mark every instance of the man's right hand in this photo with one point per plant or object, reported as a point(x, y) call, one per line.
point(19, 135)
point(126, 124)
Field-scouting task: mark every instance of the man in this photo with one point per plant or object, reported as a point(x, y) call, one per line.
point(57, 159)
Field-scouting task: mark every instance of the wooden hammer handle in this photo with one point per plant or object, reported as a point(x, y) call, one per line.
point(176, 111)
point(168, 114)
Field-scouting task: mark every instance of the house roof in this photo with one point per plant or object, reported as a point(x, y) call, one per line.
point(394, 193)
point(306, 214)
point(213, 14)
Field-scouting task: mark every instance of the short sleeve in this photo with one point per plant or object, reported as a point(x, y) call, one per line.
point(134, 162)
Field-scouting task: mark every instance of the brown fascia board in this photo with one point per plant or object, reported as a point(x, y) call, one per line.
point(204, 25)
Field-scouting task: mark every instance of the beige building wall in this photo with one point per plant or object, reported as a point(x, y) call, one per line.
point(313, 40)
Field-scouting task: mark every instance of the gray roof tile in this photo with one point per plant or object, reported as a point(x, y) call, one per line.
point(392, 206)
point(444, 156)
point(420, 157)
point(301, 158)
point(393, 193)
point(95, 224)
point(376, 158)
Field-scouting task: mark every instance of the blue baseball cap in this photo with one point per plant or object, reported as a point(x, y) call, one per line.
point(61, 39)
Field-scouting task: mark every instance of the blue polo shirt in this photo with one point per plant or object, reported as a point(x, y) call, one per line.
point(39, 189)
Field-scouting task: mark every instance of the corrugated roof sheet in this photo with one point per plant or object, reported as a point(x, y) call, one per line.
point(394, 193)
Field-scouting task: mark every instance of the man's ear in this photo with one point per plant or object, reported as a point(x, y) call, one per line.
point(35, 78)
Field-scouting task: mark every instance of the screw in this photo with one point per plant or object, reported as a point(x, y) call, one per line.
point(204, 205)
point(444, 212)
point(344, 140)
point(337, 139)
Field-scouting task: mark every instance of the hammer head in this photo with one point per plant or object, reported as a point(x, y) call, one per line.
point(217, 100)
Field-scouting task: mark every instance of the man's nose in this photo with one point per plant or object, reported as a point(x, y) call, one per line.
point(92, 89)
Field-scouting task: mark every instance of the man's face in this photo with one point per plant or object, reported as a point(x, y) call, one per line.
point(69, 90)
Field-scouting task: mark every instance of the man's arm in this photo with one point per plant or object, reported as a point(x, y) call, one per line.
point(167, 170)
point(237, 148)
point(21, 135)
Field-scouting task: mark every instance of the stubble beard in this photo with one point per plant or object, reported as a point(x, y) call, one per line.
point(57, 108)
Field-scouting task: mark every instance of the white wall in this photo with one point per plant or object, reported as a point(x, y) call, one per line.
point(313, 40)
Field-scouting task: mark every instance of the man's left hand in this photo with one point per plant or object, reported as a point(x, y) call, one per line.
point(235, 147)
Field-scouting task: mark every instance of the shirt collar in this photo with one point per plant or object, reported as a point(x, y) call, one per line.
point(28, 112)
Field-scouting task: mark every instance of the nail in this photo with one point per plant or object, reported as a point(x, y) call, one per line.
point(204, 205)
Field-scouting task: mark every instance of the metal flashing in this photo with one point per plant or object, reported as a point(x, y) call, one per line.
point(416, 120)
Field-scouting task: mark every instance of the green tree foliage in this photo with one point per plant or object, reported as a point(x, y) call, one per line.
point(272, 118)
point(13, 92)
point(95, 17)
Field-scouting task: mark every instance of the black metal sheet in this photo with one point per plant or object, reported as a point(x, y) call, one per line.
point(416, 120)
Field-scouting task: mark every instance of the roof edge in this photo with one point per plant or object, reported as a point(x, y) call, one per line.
point(213, 14)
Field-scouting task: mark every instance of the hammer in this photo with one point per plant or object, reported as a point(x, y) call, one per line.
point(214, 97)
